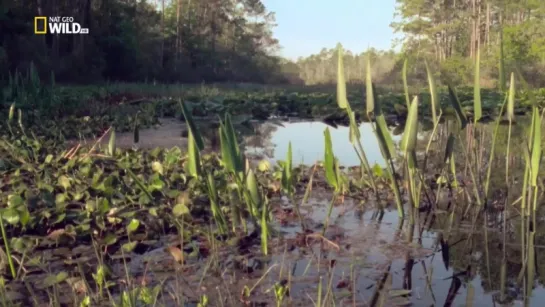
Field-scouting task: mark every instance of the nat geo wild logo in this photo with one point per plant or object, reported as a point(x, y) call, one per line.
point(57, 25)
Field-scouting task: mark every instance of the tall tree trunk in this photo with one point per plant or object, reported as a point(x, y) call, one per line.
point(85, 23)
point(162, 34)
point(471, 36)
point(487, 35)
point(178, 38)
point(55, 38)
point(473, 30)
point(478, 28)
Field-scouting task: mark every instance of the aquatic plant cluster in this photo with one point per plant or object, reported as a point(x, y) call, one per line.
point(82, 224)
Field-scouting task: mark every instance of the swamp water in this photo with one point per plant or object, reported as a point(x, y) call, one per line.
point(307, 139)
point(443, 260)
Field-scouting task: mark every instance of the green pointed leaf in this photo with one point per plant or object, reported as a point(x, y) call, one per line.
point(511, 99)
point(408, 143)
point(329, 161)
point(384, 138)
point(231, 156)
point(383, 134)
point(353, 132)
point(253, 188)
point(111, 143)
point(405, 84)
point(433, 93)
point(342, 101)
point(20, 119)
point(370, 97)
point(462, 119)
point(449, 150)
point(287, 184)
point(11, 113)
point(194, 157)
point(191, 126)
point(536, 145)
point(226, 152)
point(216, 211)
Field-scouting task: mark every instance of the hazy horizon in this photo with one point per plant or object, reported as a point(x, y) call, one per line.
point(304, 27)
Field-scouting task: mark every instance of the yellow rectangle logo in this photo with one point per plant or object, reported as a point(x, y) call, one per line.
point(36, 30)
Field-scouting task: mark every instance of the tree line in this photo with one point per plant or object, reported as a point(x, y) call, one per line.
point(447, 34)
point(138, 40)
point(232, 41)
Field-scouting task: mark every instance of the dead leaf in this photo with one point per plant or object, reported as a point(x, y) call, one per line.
point(176, 253)
point(56, 234)
point(342, 284)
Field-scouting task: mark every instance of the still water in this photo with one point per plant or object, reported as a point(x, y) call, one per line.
point(307, 141)
point(463, 270)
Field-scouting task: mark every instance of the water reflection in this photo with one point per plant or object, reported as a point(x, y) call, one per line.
point(307, 139)
point(441, 261)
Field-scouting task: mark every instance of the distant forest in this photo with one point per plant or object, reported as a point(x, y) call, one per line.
point(232, 41)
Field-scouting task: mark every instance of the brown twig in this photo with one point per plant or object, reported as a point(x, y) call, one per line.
point(70, 151)
point(319, 236)
point(96, 143)
point(74, 152)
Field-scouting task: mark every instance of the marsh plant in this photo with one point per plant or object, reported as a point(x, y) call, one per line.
point(121, 202)
point(472, 146)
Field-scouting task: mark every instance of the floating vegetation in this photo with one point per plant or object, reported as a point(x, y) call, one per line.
point(90, 222)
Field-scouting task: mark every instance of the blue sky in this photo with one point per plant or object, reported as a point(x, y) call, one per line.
point(306, 26)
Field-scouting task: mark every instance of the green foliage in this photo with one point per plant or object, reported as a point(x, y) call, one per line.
point(511, 99)
point(433, 93)
point(457, 69)
point(187, 41)
point(408, 143)
point(341, 83)
point(322, 68)
point(330, 162)
point(510, 30)
point(287, 173)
